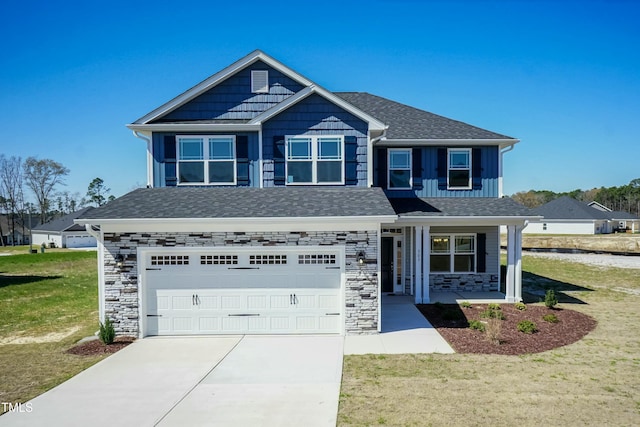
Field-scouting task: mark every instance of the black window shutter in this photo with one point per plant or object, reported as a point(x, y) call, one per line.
point(278, 161)
point(242, 159)
point(476, 168)
point(416, 168)
point(169, 159)
point(482, 253)
point(351, 160)
point(382, 167)
point(442, 168)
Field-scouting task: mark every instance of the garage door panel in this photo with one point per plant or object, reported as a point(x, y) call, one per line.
point(271, 295)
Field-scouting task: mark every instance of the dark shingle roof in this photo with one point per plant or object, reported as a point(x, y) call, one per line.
point(230, 202)
point(460, 206)
point(568, 208)
point(406, 122)
point(622, 215)
point(64, 223)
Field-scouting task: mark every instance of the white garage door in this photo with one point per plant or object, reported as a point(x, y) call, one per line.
point(80, 241)
point(263, 291)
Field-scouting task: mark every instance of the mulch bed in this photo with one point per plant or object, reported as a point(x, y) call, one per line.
point(97, 347)
point(572, 326)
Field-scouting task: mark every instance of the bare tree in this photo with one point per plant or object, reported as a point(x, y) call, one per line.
point(11, 181)
point(42, 176)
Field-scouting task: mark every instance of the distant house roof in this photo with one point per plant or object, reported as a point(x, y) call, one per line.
point(461, 206)
point(571, 209)
point(244, 202)
point(622, 215)
point(5, 223)
point(406, 122)
point(64, 223)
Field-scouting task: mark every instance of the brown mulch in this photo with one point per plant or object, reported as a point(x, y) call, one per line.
point(572, 326)
point(97, 347)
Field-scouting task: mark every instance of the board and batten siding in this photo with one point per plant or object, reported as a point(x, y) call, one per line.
point(232, 99)
point(428, 185)
point(164, 158)
point(316, 116)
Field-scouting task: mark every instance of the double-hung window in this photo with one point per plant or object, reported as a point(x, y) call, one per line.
point(459, 168)
point(315, 159)
point(399, 168)
point(453, 253)
point(206, 159)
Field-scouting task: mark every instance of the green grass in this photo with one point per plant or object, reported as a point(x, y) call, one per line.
point(50, 301)
point(591, 382)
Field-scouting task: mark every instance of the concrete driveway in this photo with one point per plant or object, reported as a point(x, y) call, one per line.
point(200, 381)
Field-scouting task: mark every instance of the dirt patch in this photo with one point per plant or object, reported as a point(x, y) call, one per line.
point(452, 322)
point(97, 347)
point(50, 337)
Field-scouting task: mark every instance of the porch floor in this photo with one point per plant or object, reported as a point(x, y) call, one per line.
point(456, 297)
point(404, 330)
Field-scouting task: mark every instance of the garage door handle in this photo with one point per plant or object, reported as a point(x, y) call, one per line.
point(332, 268)
point(243, 268)
point(332, 314)
point(154, 315)
point(153, 269)
point(243, 315)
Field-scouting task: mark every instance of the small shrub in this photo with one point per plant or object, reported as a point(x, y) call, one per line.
point(520, 306)
point(527, 327)
point(550, 299)
point(494, 330)
point(465, 304)
point(492, 314)
point(477, 325)
point(438, 305)
point(551, 318)
point(450, 314)
point(494, 306)
point(107, 332)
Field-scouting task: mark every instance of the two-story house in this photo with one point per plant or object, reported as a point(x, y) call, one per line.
point(276, 206)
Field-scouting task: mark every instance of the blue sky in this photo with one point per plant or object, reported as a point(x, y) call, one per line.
point(562, 76)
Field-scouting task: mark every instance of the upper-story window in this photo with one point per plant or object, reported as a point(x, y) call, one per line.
point(399, 168)
point(459, 168)
point(315, 159)
point(206, 159)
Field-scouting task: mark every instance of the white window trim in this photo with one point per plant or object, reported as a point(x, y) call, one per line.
point(261, 89)
point(314, 159)
point(452, 252)
point(389, 169)
point(470, 185)
point(207, 160)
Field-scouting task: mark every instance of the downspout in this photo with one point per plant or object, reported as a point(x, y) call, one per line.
point(101, 291)
point(149, 156)
point(500, 172)
point(370, 156)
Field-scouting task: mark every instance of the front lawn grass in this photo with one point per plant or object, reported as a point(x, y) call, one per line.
point(595, 381)
point(47, 303)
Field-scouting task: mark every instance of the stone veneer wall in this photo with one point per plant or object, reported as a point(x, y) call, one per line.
point(476, 282)
point(361, 288)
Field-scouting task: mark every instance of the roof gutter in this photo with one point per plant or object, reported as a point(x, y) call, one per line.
point(370, 156)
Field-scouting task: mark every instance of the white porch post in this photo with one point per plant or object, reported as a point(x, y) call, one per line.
point(426, 266)
point(518, 262)
point(511, 264)
point(418, 264)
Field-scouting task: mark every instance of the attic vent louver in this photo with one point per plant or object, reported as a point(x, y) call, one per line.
point(259, 81)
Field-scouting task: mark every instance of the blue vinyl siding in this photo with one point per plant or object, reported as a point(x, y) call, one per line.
point(232, 99)
point(160, 166)
point(314, 116)
point(489, 176)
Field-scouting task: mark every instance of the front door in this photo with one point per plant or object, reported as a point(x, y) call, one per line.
point(387, 267)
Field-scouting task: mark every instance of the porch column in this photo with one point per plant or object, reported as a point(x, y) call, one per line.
point(418, 264)
point(426, 266)
point(518, 262)
point(511, 264)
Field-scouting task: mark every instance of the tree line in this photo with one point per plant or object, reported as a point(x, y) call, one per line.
point(42, 178)
point(624, 198)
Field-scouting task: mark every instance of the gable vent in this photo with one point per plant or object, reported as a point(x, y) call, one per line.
point(259, 81)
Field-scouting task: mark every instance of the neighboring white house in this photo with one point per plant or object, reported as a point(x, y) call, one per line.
point(570, 216)
point(621, 220)
point(63, 233)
